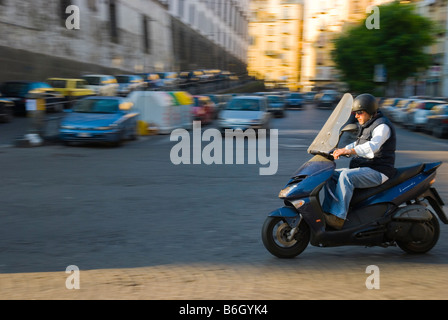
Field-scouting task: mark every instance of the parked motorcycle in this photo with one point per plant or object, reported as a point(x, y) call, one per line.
point(403, 211)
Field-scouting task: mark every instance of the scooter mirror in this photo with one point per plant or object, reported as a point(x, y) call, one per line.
point(351, 127)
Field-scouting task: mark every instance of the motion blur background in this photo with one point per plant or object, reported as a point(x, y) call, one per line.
point(140, 227)
point(285, 43)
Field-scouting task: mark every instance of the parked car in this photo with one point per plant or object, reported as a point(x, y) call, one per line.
point(405, 113)
point(204, 109)
point(227, 75)
point(99, 119)
point(220, 101)
point(437, 123)
point(152, 80)
point(295, 100)
point(6, 110)
point(417, 116)
point(398, 113)
point(309, 96)
point(210, 74)
point(388, 105)
point(102, 84)
point(169, 80)
point(265, 93)
point(276, 105)
point(19, 91)
point(71, 89)
point(191, 77)
point(128, 83)
point(327, 99)
point(244, 112)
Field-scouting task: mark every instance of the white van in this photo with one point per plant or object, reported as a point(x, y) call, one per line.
point(159, 112)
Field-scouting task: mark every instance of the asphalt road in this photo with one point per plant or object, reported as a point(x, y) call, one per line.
point(139, 227)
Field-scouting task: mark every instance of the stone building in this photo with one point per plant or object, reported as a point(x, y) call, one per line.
point(276, 33)
point(44, 38)
point(210, 34)
point(69, 38)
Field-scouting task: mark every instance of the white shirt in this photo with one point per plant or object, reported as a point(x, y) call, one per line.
point(367, 150)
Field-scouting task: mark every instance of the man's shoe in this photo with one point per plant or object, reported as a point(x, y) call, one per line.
point(333, 221)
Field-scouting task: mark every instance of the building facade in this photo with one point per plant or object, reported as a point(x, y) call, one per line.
point(298, 56)
point(324, 21)
point(69, 38)
point(276, 39)
point(434, 81)
point(210, 34)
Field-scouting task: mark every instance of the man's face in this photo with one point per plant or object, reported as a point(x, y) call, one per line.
point(362, 116)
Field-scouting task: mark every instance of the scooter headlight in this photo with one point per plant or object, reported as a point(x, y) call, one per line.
point(285, 191)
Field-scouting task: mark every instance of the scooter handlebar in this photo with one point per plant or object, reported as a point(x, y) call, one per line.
point(329, 156)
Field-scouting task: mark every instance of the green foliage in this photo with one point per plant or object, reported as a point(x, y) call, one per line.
point(399, 44)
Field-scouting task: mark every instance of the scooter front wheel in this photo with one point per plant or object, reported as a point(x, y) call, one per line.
point(276, 236)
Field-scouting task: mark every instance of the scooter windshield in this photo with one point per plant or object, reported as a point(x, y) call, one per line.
point(328, 137)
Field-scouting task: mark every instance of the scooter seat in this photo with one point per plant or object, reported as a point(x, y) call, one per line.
point(401, 175)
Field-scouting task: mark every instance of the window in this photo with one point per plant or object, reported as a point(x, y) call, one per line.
point(81, 84)
point(191, 15)
point(286, 11)
point(285, 43)
point(63, 4)
point(181, 8)
point(146, 34)
point(92, 5)
point(57, 83)
point(253, 40)
point(113, 21)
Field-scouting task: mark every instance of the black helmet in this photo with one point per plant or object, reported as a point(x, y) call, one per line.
point(365, 102)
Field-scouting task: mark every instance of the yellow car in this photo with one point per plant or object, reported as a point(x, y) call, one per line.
point(71, 89)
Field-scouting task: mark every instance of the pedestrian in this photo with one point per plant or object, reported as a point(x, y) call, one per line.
point(372, 164)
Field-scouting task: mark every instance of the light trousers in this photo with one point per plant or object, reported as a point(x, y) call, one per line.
point(339, 189)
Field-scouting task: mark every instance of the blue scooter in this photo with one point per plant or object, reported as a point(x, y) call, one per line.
point(403, 211)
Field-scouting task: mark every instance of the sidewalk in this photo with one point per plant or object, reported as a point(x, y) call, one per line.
point(228, 282)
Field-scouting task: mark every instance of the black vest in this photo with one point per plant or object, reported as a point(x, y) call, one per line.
point(384, 159)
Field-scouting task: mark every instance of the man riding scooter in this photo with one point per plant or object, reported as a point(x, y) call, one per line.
point(404, 211)
point(372, 163)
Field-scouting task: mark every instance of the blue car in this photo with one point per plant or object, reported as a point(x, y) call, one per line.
point(99, 119)
point(276, 105)
point(295, 100)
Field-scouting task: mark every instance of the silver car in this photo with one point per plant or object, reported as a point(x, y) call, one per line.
point(418, 115)
point(102, 84)
point(245, 112)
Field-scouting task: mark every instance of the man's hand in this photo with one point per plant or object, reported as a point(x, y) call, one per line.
point(342, 152)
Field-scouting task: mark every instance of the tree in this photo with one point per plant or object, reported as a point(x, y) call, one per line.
point(398, 44)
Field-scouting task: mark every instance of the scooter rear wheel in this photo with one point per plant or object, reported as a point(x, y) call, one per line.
point(418, 247)
point(275, 234)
